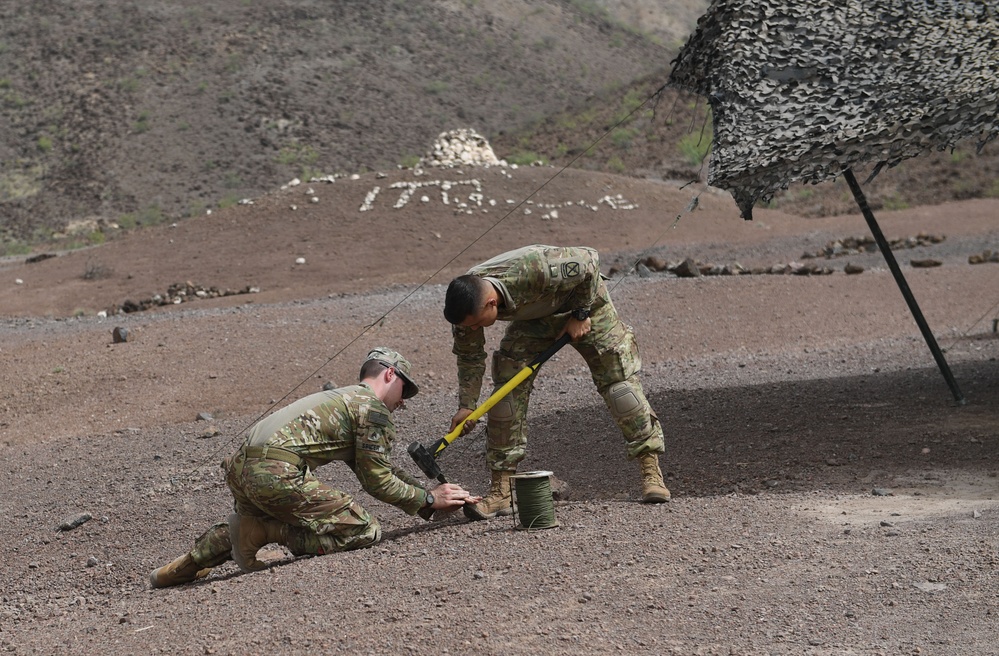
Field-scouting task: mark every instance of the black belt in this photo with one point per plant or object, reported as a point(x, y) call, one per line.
point(273, 453)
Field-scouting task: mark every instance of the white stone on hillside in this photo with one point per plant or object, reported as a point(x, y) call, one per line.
point(464, 147)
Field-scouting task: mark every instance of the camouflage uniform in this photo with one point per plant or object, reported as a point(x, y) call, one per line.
point(538, 287)
point(349, 424)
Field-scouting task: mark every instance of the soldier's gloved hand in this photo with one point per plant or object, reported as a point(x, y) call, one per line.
point(460, 417)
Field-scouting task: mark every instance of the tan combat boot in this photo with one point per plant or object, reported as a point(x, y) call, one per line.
point(182, 570)
point(248, 534)
point(498, 502)
point(653, 488)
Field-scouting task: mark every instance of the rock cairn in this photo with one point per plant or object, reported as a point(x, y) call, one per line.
point(464, 147)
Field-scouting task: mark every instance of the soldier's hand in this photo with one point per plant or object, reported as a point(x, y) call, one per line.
point(576, 328)
point(449, 495)
point(460, 417)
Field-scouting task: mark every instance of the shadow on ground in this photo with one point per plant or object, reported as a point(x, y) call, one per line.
point(844, 435)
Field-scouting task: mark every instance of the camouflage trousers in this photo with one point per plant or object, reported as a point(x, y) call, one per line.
point(610, 352)
point(320, 519)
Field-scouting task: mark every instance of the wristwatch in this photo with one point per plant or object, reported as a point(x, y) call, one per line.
point(430, 500)
point(580, 314)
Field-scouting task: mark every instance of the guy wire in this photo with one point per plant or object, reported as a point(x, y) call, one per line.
point(406, 297)
point(534, 502)
point(968, 330)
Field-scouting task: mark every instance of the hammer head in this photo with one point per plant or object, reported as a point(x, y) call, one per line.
point(425, 461)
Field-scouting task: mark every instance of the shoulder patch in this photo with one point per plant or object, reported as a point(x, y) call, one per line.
point(376, 448)
point(570, 269)
point(378, 418)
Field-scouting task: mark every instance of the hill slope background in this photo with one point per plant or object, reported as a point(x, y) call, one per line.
point(146, 113)
point(161, 110)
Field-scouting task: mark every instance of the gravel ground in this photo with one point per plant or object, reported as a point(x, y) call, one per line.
point(829, 494)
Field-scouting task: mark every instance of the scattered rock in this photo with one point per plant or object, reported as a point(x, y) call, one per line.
point(204, 416)
point(176, 294)
point(687, 269)
point(985, 256)
point(867, 244)
point(560, 489)
point(925, 264)
point(74, 522)
point(926, 586)
point(655, 263)
point(119, 334)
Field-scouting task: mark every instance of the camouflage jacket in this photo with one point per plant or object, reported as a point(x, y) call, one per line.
point(533, 282)
point(349, 424)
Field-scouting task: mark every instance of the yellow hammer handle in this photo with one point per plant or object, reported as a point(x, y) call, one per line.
point(487, 404)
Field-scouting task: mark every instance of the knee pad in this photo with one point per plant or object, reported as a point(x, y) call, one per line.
point(622, 400)
point(502, 411)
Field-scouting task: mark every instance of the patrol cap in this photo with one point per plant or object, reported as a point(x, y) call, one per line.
point(391, 358)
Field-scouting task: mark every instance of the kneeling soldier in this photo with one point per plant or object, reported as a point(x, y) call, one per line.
point(279, 500)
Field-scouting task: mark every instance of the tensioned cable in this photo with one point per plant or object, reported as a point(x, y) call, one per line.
point(693, 204)
point(968, 330)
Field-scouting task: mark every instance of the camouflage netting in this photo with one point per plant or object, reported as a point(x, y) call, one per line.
point(803, 90)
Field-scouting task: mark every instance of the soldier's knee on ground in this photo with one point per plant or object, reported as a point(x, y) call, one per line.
point(303, 542)
point(623, 401)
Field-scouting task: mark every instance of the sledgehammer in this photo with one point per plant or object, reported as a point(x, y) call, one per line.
point(426, 459)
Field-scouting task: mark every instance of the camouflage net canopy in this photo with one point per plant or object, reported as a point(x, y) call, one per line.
point(805, 89)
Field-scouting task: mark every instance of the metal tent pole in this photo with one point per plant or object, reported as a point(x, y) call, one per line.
point(879, 237)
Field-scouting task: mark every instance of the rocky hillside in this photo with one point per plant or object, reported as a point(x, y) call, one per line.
point(139, 113)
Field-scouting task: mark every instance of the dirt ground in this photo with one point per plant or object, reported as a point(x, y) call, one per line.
point(830, 496)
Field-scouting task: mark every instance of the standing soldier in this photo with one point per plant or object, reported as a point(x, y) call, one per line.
point(545, 292)
point(279, 500)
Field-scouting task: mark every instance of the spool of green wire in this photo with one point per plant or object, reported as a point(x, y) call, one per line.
point(533, 500)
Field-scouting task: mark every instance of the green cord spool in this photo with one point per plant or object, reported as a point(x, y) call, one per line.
point(533, 500)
